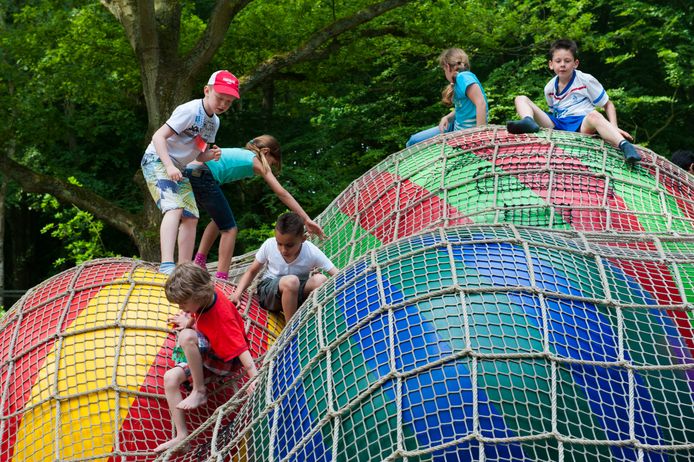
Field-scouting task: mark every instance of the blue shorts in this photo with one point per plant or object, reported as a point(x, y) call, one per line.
point(210, 197)
point(567, 124)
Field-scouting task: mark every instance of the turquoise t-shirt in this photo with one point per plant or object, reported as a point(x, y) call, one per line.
point(234, 164)
point(465, 109)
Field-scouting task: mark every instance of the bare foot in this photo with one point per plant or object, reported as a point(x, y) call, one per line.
point(196, 399)
point(169, 444)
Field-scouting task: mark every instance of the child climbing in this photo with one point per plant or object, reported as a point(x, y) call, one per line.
point(572, 97)
point(212, 336)
point(287, 282)
point(464, 92)
point(260, 155)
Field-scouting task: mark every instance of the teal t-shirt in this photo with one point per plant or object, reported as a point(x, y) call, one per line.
point(234, 164)
point(465, 109)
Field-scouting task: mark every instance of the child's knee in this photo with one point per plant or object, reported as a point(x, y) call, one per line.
point(521, 99)
point(318, 279)
point(594, 118)
point(289, 283)
point(188, 337)
point(173, 378)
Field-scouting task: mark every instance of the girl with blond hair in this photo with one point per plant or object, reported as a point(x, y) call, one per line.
point(259, 157)
point(464, 93)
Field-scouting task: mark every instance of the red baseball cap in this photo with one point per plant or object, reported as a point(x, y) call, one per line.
point(224, 82)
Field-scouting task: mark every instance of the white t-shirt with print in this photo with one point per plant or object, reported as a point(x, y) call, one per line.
point(582, 95)
point(195, 131)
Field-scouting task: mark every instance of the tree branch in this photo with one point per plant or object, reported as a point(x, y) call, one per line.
point(223, 13)
point(66, 193)
point(270, 67)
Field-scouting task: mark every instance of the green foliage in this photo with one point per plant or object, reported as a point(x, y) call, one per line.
point(69, 78)
point(79, 232)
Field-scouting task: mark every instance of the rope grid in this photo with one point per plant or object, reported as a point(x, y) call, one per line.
point(500, 297)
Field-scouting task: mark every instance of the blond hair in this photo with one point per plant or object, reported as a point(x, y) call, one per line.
point(257, 145)
point(189, 282)
point(458, 61)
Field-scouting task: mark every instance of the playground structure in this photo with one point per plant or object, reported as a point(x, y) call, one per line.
point(502, 297)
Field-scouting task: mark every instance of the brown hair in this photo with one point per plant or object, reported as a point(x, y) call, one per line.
point(189, 282)
point(563, 44)
point(290, 223)
point(458, 61)
point(275, 150)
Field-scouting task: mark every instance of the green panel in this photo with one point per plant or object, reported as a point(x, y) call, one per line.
point(339, 246)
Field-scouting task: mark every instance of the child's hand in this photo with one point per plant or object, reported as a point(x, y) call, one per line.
point(235, 298)
point(443, 124)
point(251, 388)
point(215, 152)
point(626, 135)
point(180, 320)
point(174, 173)
point(314, 228)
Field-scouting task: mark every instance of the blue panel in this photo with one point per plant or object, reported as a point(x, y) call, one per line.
point(434, 421)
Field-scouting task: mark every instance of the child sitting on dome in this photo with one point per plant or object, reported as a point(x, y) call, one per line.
point(572, 97)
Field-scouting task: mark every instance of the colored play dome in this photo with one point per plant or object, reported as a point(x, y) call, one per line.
point(482, 343)
point(82, 360)
point(550, 180)
point(502, 298)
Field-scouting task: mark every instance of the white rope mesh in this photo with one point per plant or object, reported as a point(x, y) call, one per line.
point(501, 297)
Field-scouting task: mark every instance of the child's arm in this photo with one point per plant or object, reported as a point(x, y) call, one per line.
point(249, 365)
point(159, 141)
point(475, 95)
point(214, 153)
point(611, 112)
point(245, 281)
point(333, 271)
point(288, 200)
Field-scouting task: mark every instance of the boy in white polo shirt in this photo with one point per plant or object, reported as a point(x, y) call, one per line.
point(290, 259)
point(572, 97)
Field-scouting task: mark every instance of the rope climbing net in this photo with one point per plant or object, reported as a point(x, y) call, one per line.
point(501, 297)
point(482, 343)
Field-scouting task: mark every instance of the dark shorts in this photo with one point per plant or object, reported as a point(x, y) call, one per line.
point(269, 294)
point(210, 197)
point(567, 124)
point(210, 361)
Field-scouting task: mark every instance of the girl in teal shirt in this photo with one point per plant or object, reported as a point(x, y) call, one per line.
point(259, 156)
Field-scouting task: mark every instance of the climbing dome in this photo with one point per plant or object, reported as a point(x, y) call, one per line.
point(501, 297)
point(482, 343)
point(82, 359)
point(550, 180)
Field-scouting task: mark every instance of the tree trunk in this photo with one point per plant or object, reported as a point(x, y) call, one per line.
point(3, 193)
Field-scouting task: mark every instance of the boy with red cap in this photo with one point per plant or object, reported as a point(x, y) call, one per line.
point(187, 135)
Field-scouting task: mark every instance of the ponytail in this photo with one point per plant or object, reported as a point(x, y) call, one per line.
point(458, 61)
point(261, 142)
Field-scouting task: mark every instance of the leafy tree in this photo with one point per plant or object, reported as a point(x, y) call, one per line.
point(174, 45)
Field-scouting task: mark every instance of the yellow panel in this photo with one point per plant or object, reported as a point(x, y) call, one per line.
point(87, 424)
